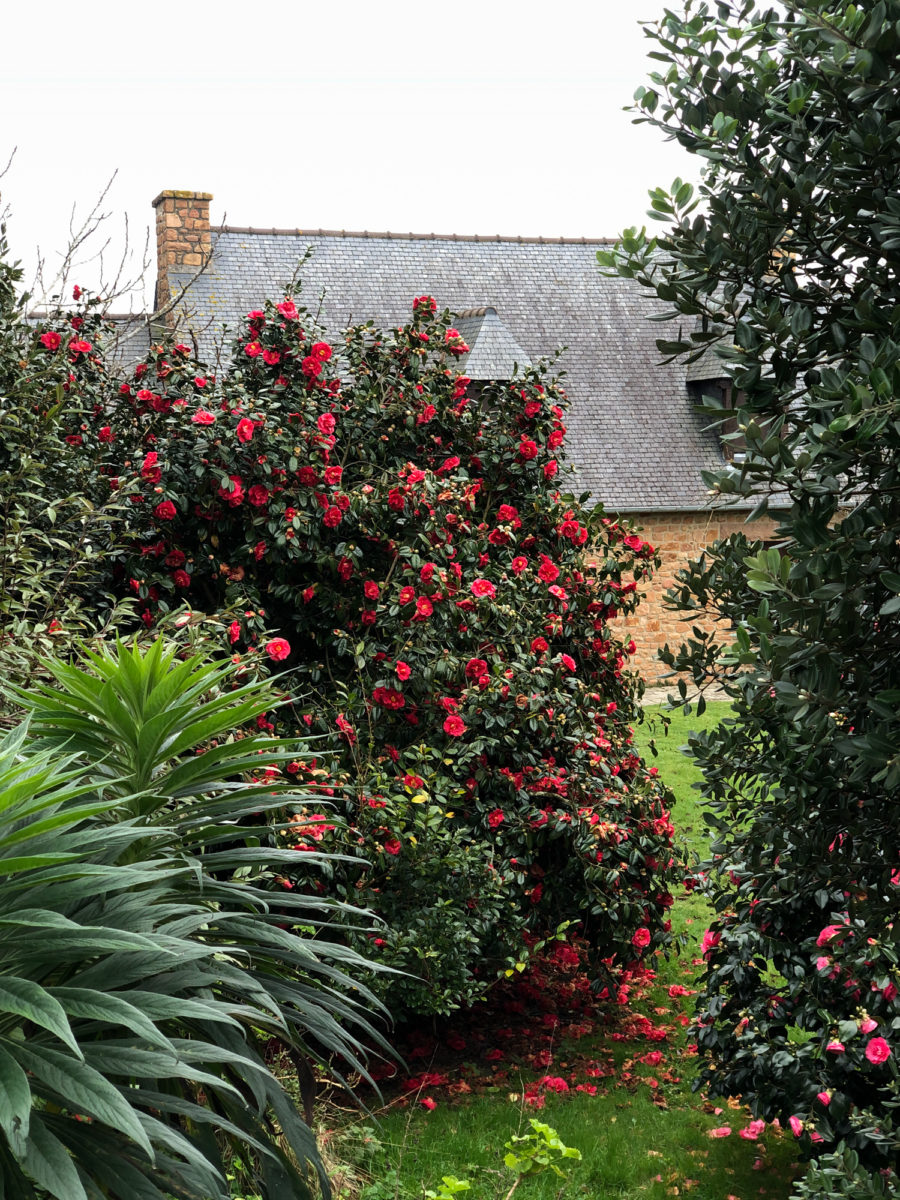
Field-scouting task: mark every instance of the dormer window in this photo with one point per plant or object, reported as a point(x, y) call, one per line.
point(494, 354)
point(718, 392)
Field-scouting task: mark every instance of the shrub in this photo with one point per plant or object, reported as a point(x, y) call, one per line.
point(791, 274)
point(428, 586)
point(144, 963)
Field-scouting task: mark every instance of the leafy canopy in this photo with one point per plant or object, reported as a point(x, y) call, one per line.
point(783, 271)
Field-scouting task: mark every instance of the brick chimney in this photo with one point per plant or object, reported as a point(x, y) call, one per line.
point(182, 237)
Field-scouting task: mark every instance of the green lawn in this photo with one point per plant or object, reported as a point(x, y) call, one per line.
point(643, 1134)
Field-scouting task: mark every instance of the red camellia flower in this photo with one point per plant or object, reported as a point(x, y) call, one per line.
point(181, 579)
point(406, 595)
point(475, 667)
point(278, 649)
point(50, 340)
point(878, 1051)
point(105, 434)
point(641, 937)
point(165, 510)
point(234, 631)
point(495, 818)
point(76, 292)
point(454, 726)
point(253, 349)
point(332, 475)
point(371, 589)
point(79, 347)
point(271, 357)
point(392, 846)
point(548, 570)
point(550, 468)
point(519, 564)
point(287, 309)
point(333, 517)
point(311, 367)
point(567, 661)
point(527, 450)
point(258, 495)
point(403, 670)
point(245, 429)
point(483, 587)
point(539, 646)
point(325, 424)
point(424, 607)
point(203, 417)
point(234, 495)
point(532, 408)
point(321, 351)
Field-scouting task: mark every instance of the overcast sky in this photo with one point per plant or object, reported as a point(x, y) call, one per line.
point(477, 117)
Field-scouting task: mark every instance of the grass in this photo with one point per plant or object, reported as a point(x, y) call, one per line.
point(643, 1134)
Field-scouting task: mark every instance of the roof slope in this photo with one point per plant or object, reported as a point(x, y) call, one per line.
point(634, 440)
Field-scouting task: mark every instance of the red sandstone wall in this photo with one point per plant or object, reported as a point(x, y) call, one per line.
point(678, 537)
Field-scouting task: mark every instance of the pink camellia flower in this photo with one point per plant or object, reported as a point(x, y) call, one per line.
point(823, 963)
point(454, 726)
point(829, 933)
point(245, 429)
point(50, 340)
point(753, 1131)
point(868, 1025)
point(287, 309)
point(234, 631)
point(325, 424)
point(483, 587)
point(824, 1098)
point(278, 649)
point(202, 417)
point(796, 1126)
point(878, 1051)
point(835, 1046)
point(567, 661)
point(641, 937)
point(710, 941)
point(722, 1131)
point(165, 510)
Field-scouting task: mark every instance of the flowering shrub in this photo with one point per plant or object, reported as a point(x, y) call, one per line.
point(395, 542)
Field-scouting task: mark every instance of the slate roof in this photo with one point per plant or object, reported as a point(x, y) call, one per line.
point(493, 352)
point(633, 438)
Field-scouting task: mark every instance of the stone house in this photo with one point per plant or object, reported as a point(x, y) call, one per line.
point(634, 438)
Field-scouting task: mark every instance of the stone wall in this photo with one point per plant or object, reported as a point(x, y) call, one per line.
point(679, 537)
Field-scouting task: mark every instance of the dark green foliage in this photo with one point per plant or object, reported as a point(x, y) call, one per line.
point(784, 269)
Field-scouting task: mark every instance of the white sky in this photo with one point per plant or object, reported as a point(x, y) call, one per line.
point(479, 117)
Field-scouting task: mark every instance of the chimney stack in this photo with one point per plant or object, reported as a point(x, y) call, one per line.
point(182, 238)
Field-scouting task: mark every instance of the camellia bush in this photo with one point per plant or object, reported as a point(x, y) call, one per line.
point(394, 542)
point(787, 265)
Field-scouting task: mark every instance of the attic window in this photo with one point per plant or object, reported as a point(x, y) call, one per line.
point(494, 354)
point(721, 391)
